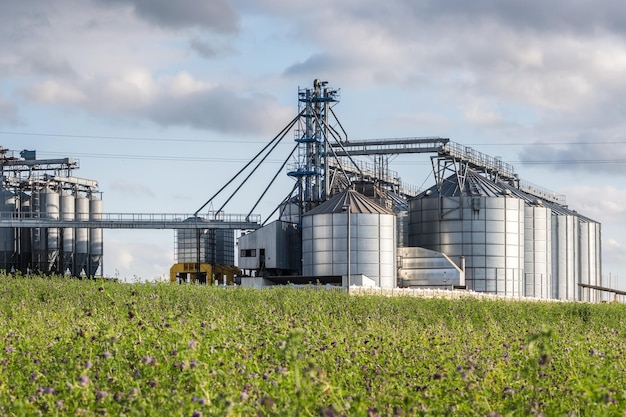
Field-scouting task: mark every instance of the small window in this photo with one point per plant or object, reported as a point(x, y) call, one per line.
point(248, 253)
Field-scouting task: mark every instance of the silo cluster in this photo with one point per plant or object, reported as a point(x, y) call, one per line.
point(513, 243)
point(32, 190)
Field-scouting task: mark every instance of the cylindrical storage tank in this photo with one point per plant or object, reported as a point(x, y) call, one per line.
point(49, 201)
point(402, 228)
point(81, 236)
point(537, 251)
point(485, 225)
point(565, 255)
point(7, 234)
point(67, 245)
point(590, 259)
point(95, 236)
point(25, 235)
point(371, 233)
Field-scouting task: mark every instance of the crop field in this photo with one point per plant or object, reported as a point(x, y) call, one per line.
point(72, 347)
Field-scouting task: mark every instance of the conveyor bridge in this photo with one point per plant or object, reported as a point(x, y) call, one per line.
point(135, 221)
point(448, 154)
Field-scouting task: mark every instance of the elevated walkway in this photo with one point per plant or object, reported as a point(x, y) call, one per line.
point(136, 221)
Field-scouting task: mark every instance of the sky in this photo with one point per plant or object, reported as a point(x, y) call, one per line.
point(163, 102)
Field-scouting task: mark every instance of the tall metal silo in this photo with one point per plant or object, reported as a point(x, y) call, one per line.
point(25, 235)
point(48, 240)
point(482, 222)
point(565, 251)
point(81, 235)
point(537, 250)
point(96, 246)
point(402, 226)
point(7, 234)
point(590, 259)
point(371, 232)
point(67, 233)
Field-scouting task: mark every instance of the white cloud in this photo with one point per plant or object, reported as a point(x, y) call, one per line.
point(601, 203)
point(51, 92)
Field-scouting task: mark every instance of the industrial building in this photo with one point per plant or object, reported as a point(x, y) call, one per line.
point(43, 191)
point(479, 227)
point(345, 221)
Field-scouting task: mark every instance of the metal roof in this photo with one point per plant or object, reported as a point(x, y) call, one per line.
point(477, 185)
point(358, 204)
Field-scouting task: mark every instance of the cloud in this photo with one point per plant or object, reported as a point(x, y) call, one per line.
point(135, 257)
point(216, 15)
point(590, 154)
point(51, 91)
point(8, 113)
point(132, 188)
point(601, 203)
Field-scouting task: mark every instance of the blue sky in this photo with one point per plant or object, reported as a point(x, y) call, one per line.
point(162, 102)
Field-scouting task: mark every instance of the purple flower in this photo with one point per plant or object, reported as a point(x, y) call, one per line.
point(193, 344)
point(9, 349)
point(83, 380)
point(59, 404)
point(106, 354)
point(88, 364)
point(197, 414)
point(101, 395)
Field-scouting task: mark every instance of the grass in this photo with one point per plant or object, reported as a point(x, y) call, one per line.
point(74, 347)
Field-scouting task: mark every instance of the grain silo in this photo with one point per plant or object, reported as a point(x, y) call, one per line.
point(590, 258)
point(565, 249)
point(96, 245)
point(350, 229)
point(7, 235)
point(476, 219)
point(67, 207)
point(81, 235)
point(48, 242)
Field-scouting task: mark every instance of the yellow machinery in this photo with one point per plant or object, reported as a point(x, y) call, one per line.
point(192, 272)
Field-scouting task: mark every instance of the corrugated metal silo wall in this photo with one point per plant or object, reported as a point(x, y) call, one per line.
point(537, 252)
point(81, 235)
point(565, 252)
point(96, 245)
point(488, 231)
point(590, 260)
point(402, 228)
point(68, 206)
point(25, 234)
point(49, 239)
point(7, 234)
point(372, 246)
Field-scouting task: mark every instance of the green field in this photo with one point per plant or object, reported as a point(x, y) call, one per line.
point(74, 347)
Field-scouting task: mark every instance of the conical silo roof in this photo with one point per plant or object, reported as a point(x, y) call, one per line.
point(357, 203)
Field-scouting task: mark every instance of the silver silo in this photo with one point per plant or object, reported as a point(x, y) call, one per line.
point(25, 235)
point(371, 233)
point(81, 235)
point(537, 250)
point(590, 259)
point(67, 233)
point(402, 226)
point(49, 242)
point(95, 236)
point(7, 234)
point(565, 252)
point(482, 222)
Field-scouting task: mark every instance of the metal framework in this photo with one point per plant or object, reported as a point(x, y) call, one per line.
point(313, 135)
